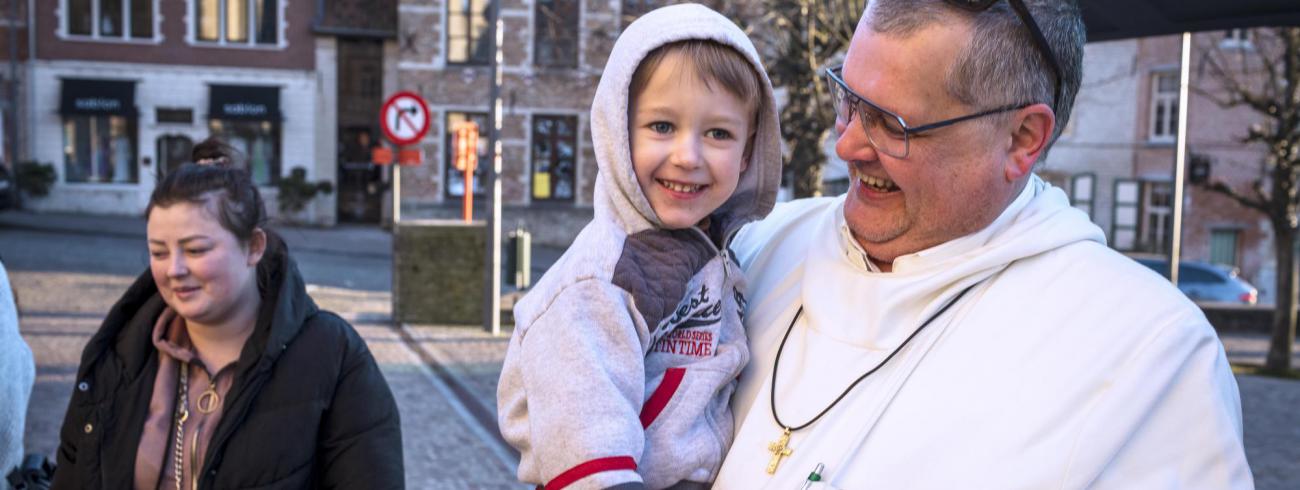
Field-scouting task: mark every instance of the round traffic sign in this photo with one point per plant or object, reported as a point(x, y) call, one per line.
point(405, 118)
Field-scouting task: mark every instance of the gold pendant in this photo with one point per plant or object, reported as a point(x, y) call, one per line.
point(209, 400)
point(779, 449)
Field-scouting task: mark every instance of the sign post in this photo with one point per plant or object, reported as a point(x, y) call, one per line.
point(405, 120)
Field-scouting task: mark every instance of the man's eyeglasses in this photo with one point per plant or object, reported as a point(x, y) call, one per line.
point(886, 131)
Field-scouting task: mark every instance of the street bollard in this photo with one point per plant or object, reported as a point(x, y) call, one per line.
point(519, 260)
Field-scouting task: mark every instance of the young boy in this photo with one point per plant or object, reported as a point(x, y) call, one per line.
point(625, 354)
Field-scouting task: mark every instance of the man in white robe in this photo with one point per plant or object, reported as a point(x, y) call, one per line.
point(1047, 360)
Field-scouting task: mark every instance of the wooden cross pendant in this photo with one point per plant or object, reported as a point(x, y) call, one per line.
point(779, 449)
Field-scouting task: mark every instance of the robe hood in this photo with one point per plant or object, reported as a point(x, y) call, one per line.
point(618, 196)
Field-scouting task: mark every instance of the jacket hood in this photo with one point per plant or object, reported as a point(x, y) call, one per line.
point(618, 196)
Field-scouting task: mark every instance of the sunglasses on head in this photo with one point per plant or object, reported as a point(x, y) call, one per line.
point(1040, 41)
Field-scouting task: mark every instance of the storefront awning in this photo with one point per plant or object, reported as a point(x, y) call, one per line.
point(97, 97)
point(244, 102)
point(1120, 19)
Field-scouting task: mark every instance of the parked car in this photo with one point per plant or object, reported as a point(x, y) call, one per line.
point(7, 189)
point(1202, 281)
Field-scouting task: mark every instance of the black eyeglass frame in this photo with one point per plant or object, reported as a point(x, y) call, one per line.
point(833, 76)
point(1040, 41)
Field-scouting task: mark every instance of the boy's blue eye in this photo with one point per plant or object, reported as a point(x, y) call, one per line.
point(721, 134)
point(661, 127)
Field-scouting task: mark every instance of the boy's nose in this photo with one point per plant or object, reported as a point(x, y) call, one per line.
point(686, 152)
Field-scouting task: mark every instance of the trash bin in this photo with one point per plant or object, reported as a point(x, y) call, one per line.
point(519, 258)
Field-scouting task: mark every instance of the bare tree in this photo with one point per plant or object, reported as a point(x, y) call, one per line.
point(806, 34)
point(1266, 80)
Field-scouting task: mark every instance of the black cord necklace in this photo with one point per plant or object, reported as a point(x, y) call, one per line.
point(780, 448)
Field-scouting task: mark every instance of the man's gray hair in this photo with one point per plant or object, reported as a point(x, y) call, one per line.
point(1001, 65)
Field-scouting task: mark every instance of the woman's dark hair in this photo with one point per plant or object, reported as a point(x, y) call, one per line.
point(238, 205)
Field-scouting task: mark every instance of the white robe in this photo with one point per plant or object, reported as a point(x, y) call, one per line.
point(1068, 365)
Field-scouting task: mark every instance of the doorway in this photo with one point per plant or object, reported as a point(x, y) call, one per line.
point(173, 151)
point(361, 184)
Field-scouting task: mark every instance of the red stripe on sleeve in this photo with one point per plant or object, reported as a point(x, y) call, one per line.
point(659, 399)
point(590, 468)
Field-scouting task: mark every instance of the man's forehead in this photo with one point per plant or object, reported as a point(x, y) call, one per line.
point(904, 73)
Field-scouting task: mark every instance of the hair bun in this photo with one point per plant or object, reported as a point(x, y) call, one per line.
point(214, 151)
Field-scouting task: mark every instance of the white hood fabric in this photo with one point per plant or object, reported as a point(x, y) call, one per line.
point(17, 373)
point(1066, 366)
point(625, 354)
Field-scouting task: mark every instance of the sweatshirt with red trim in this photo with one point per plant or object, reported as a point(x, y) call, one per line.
point(625, 354)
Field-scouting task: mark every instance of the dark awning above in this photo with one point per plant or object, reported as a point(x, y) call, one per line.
point(1120, 19)
point(97, 97)
point(244, 102)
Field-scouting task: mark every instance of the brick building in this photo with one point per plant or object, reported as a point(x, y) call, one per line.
point(116, 92)
point(1115, 157)
point(553, 54)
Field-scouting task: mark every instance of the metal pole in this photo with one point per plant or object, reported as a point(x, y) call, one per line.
point(1180, 160)
point(492, 272)
point(397, 195)
point(12, 111)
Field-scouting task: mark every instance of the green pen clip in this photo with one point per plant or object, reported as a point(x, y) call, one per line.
point(815, 476)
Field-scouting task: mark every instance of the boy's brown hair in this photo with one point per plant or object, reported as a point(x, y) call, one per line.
point(715, 64)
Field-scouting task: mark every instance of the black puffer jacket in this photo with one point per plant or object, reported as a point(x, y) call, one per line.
point(309, 407)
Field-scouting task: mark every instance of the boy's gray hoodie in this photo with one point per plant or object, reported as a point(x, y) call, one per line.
point(625, 353)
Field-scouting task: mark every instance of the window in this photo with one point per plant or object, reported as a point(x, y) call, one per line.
point(110, 19)
point(237, 21)
point(1236, 39)
point(99, 148)
point(632, 9)
point(258, 141)
point(555, 142)
point(467, 32)
point(1124, 227)
point(456, 178)
point(1164, 107)
point(555, 40)
point(1195, 274)
point(1081, 189)
point(1157, 216)
point(1223, 247)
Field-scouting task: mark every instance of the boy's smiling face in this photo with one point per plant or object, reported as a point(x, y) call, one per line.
point(688, 142)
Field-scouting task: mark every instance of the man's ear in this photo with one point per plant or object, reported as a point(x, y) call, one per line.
point(256, 247)
point(1031, 131)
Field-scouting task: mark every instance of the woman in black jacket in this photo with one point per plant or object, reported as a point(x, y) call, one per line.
point(216, 370)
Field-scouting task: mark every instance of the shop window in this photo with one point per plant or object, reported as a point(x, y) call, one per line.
point(467, 32)
point(249, 119)
point(455, 178)
point(1164, 107)
point(110, 19)
point(555, 40)
point(255, 22)
point(554, 155)
point(99, 149)
point(258, 141)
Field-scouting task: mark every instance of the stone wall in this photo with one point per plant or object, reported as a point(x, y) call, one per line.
point(438, 272)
